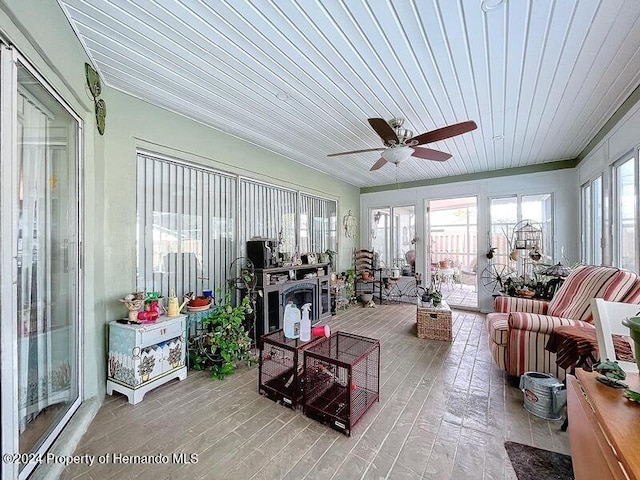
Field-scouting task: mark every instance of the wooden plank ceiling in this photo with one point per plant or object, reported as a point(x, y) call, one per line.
point(301, 77)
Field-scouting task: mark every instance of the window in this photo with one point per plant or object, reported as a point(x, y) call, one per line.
point(268, 211)
point(504, 216)
point(380, 234)
point(512, 212)
point(188, 216)
point(391, 235)
point(591, 214)
point(404, 232)
point(317, 224)
point(186, 226)
point(625, 213)
point(539, 208)
point(301, 222)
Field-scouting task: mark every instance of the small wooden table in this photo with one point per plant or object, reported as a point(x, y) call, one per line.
point(604, 427)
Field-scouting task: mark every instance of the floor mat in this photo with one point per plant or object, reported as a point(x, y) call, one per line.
point(531, 463)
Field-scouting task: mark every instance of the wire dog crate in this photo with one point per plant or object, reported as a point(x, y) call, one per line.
point(342, 379)
point(280, 367)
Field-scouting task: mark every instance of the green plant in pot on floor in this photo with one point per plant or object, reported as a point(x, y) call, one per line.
point(226, 342)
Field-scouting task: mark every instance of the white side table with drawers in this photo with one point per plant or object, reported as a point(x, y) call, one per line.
point(142, 357)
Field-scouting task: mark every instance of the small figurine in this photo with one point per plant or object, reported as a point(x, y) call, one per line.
point(133, 304)
point(612, 373)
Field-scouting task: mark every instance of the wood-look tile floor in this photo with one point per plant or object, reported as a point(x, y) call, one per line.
point(445, 412)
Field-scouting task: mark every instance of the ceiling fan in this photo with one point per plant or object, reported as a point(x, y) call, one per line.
point(400, 144)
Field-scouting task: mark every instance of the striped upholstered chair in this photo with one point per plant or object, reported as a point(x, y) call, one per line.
point(519, 328)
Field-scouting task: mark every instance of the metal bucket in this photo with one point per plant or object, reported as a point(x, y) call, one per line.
point(544, 395)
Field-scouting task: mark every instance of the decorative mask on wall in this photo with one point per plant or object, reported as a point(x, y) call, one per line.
point(95, 87)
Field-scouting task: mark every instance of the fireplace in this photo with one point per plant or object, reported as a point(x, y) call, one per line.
point(301, 293)
point(299, 284)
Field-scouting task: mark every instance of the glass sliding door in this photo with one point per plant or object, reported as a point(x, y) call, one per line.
point(41, 325)
point(452, 250)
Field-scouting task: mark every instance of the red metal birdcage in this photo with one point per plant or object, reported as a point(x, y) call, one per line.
point(341, 379)
point(280, 367)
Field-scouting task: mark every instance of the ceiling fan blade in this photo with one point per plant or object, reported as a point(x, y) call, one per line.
point(430, 154)
point(383, 129)
point(379, 164)
point(357, 151)
point(445, 132)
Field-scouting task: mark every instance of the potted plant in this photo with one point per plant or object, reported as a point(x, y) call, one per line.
point(146, 367)
point(349, 278)
point(433, 294)
point(226, 342)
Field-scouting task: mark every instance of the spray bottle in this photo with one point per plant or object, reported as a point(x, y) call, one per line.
point(291, 320)
point(305, 323)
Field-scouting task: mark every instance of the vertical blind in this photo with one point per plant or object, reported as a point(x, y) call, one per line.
point(317, 224)
point(268, 211)
point(186, 230)
point(187, 219)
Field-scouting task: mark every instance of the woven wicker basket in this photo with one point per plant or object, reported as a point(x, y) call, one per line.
point(434, 323)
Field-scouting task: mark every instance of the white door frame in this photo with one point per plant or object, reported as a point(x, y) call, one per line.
point(9, 60)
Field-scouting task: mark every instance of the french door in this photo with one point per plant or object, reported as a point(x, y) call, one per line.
point(39, 256)
point(452, 249)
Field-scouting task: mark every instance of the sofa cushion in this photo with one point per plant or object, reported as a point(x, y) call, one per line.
point(573, 300)
point(498, 327)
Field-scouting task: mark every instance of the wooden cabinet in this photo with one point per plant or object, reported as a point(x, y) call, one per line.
point(301, 284)
point(141, 357)
point(603, 429)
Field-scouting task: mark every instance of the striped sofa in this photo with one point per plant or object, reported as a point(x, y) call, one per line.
point(519, 328)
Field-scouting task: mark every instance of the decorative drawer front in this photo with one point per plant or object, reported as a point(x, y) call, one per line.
point(144, 364)
point(162, 332)
point(140, 353)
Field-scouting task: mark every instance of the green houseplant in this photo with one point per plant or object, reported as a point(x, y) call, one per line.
point(349, 278)
point(226, 342)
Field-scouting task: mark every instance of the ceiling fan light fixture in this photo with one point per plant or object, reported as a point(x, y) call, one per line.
point(488, 5)
point(397, 154)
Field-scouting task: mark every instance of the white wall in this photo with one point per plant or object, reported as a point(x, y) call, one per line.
point(560, 182)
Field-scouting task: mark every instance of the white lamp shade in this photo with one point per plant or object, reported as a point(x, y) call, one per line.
point(397, 154)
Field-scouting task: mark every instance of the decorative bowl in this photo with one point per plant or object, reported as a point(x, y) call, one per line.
point(199, 302)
